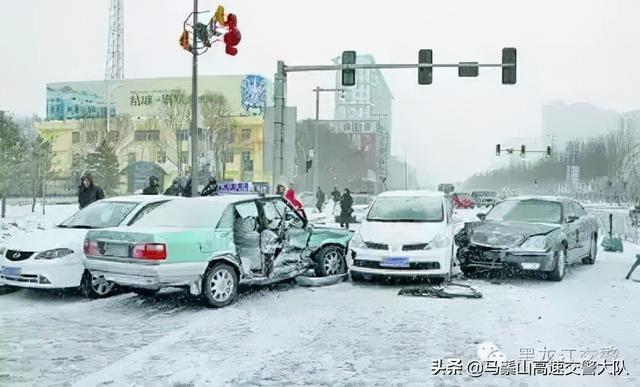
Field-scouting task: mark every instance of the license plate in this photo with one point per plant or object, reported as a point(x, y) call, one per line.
point(11, 271)
point(116, 250)
point(395, 262)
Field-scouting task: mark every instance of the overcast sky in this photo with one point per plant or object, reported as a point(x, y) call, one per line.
point(571, 50)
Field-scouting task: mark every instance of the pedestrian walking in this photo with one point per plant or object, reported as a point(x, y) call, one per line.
point(346, 208)
point(335, 195)
point(88, 192)
point(320, 197)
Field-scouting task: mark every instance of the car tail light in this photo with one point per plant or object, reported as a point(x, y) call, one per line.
point(157, 251)
point(91, 248)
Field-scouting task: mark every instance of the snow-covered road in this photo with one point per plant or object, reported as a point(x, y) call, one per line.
point(345, 334)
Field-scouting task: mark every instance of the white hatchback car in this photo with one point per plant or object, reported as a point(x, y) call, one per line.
point(54, 258)
point(404, 234)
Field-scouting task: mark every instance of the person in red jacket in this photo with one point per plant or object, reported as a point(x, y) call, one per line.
point(290, 196)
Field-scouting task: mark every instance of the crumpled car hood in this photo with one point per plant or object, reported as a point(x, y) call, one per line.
point(507, 233)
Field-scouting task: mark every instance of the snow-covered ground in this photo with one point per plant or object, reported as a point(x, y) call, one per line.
point(345, 334)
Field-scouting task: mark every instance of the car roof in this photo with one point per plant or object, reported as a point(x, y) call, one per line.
point(233, 198)
point(140, 198)
point(545, 198)
point(412, 193)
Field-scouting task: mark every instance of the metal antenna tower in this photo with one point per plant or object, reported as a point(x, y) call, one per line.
point(115, 51)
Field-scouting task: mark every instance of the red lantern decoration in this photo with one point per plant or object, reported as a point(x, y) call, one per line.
point(232, 36)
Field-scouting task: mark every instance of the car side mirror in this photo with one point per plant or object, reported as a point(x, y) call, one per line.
point(481, 216)
point(572, 219)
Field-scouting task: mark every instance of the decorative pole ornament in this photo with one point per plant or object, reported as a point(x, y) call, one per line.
point(221, 27)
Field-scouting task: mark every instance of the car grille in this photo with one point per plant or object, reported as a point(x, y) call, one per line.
point(14, 255)
point(482, 254)
point(376, 246)
point(412, 265)
point(416, 246)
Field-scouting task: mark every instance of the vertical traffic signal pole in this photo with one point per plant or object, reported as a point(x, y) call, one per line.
point(279, 90)
point(194, 106)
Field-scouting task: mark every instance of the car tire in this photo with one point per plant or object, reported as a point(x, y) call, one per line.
point(593, 252)
point(558, 272)
point(330, 260)
point(145, 292)
point(93, 288)
point(220, 285)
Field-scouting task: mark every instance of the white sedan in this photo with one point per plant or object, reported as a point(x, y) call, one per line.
point(54, 258)
point(404, 234)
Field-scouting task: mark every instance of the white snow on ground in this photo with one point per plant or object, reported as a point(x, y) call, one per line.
point(20, 219)
point(345, 334)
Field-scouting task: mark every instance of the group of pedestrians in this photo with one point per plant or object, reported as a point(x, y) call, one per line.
point(343, 199)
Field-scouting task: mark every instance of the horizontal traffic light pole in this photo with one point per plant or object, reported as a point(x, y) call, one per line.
point(291, 69)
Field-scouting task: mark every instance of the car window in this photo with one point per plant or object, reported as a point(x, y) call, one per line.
point(101, 214)
point(247, 209)
point(145, 210)
point(406, 209)
point(193, 213)
point(580, 211)
point(532, 210)
point(569, 211)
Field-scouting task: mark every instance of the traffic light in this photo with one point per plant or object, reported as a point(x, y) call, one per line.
point(468, 71)
point(348, 75)
point(309, 165)
point(509, 73)
point(184, 41)
point(425, 74)
point(497, 149)
point(548, 151)
point(523, 150)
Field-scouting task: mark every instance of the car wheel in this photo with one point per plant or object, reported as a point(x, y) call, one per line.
point(94, 287)
point(220, 286)
point(145, 292)
point(330, 261)
point(561, 267)
point(593, 251)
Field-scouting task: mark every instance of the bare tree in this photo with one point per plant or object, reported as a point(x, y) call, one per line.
point(176, 113)
point(216, 118)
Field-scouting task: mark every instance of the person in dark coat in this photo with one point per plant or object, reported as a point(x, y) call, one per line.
point(174, 189)
point(335, 195)
point(320, 197)
point(211, 189)
point(280, 190)
point(187, 189)
point(88, 192)
point(346, 208)
point(153, 188)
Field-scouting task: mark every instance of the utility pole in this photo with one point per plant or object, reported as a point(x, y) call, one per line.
point(316, 151)
point(194, 106)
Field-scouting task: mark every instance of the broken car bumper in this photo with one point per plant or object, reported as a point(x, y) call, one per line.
point(500, 259)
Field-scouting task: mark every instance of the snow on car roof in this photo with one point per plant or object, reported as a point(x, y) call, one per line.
point(140, 198)
point(412, 193)
point(547, 198)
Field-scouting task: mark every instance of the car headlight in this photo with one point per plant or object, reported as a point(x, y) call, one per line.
point(357, 242)
point(439, 242)
point(535, 243)
point(53, 254)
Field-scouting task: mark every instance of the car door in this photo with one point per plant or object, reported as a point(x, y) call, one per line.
point(584, 228)
point(246, 236)
point(572, 232)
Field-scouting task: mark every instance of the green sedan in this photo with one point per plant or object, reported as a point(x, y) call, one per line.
point(210, 245)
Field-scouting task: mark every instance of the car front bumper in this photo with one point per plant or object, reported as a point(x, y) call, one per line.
point(421, 263)
point(147, 275)
point(487, 258)
point(59, 273)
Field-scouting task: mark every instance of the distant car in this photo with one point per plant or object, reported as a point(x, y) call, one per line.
point(405, 234)
point(542, 234)
point(462, 200)
point(53, 259)
point(447, 188)
point(210, 245)
point(484, 198)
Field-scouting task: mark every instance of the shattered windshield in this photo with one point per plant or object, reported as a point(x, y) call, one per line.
point(537, 211)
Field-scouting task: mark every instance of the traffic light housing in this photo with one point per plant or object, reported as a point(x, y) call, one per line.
point(425, 74)
point(468, 71)
point(184, 41)
point(509, 73)
point(348, 75)
point(497, 149)
point(523, 150)
point(309, 165)
point(548, 151)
